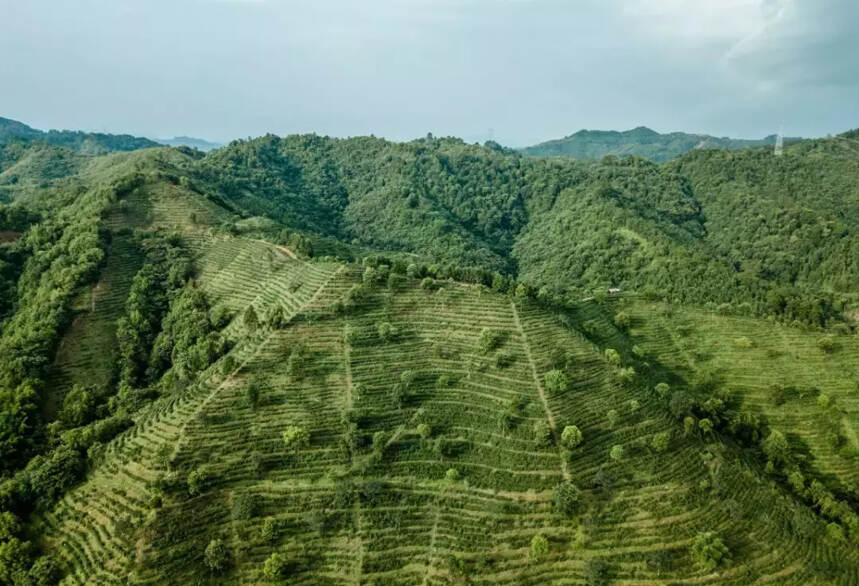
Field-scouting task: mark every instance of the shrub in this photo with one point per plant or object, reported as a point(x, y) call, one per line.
point(742, 342)
point(616, 453)
point(567, 498)
point(705, 425)
point(571, 437)
point(216, 556)
point(452, 475)
point(539, 547)
point(708, 550)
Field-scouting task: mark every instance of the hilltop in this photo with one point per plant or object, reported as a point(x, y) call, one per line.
point(639, 142)
point(91, 143)
point(320, 360)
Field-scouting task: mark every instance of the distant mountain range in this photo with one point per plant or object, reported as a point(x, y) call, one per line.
point(190, 141)
point(640, 142)
point(90, 143)
point(94, 143)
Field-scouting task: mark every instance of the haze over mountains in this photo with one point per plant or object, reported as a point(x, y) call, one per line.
point(640, 142)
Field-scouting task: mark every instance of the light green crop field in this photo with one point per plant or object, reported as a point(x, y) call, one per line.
point(411, 473)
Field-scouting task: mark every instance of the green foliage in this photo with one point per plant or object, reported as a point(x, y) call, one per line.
point(489, 340)
point(556, 382)
point(295, 437)
point(661, 441)
point(571, 437)
point(617, 452)
point(539, 547)
point(216, 557)
point(613, 356)
point(275, 566)
point(776, 447)
point(567, 498)
point(386, 331)
point(245, 505)
point(708, 550)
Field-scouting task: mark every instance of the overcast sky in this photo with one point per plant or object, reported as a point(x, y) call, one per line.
point(520, 71)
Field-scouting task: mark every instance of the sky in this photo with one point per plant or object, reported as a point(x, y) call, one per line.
point(516, 71)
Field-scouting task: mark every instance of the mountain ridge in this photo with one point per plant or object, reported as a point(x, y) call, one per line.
point(640, 141)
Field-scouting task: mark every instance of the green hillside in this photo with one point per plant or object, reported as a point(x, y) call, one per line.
point(639, 142)
point(309, 360)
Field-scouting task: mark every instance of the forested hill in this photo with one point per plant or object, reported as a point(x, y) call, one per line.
point(775, 235)
point(315, 360)
point(91, 143)
point(638, 142)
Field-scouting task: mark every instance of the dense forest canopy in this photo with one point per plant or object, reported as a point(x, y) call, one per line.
point(774, 234)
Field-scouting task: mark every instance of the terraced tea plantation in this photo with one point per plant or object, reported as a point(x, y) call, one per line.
point(393, 431)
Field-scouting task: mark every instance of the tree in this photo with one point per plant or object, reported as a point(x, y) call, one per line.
point(216, 556)
point(613, 356)
point(270, 530)
point(198, 479)
point(596, 572)
point(567, 498)
point(660, 441)
point(708, 550)
point(680, 404)
point(539, 547)
point(14, 559)
point(78, 407)
point(408, 378)
point(250, 319)
point(542, 433)
point(616, 453)
point(621, 320)
point(424, 430)
point(489, 340)
point(295, 437)
point(274, 567)
point(571, 437)
point(244, 506)
point(386, 331)
point(705, 425)
point(662, 389)
point(452, 475)
point(776, 447)
point(612, 417)
point(556, 382)
point(688, 424)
